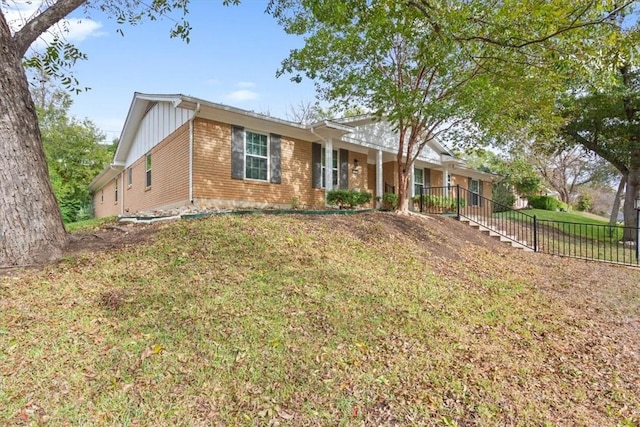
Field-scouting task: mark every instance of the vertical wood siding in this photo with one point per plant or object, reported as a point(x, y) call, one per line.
point(161, 120)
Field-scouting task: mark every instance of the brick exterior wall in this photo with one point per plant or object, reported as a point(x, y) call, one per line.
point(463, 181)
point(390, 175)
point(213, 185)
point(371, 180)
point(212, 182)
point(437, 178)
point(104, 203)
point(359, 177)
point(169, 176)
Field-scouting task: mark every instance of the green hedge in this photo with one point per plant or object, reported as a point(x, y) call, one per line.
point(389, 201)
point(348, 198)
point(440, 202)
point(547, 203)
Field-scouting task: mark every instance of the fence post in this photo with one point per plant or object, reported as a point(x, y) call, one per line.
point(535, 233)
point(637, 235)
point(458, 201)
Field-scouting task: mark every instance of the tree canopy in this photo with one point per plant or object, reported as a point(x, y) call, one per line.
point(430, 66)
point(75, 153)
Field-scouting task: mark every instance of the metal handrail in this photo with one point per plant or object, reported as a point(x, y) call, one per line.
point(599, 242)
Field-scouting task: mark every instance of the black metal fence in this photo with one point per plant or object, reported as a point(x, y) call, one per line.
point(613, 244)
point(600, 242)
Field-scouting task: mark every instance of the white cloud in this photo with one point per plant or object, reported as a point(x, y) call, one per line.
point(245, 84)
point(212, 82)
point(242, 95)
point(73, 30)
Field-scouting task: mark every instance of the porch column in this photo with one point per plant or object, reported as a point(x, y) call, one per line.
point(445, 177)
point(328, 162)
point(379, 178)
point(411, 183)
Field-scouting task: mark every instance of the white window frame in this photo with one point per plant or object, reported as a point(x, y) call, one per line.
point(129, 176)
point(115, 190)
point(416, 183)
point(267, 157)
point(148, 165)
point(335, 159)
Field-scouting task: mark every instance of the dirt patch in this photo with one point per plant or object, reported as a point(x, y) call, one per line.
point(109, 237)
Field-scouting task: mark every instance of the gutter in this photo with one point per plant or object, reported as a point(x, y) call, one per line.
point(191, 136)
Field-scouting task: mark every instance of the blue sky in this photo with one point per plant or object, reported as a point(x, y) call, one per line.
point(232, 59)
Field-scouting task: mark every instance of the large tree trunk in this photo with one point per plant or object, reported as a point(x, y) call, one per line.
point(404, 179)
point(630, 214)
point(31, 228)
point(613, 219)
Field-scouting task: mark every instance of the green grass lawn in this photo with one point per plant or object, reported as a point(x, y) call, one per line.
point(263, 320)
point(580, 235)
point(89, 224)
point(576, 217)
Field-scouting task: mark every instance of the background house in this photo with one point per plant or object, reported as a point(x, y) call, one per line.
point(177, 151)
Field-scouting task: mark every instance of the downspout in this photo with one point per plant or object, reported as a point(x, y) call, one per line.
point(191, 136)
point(112, 166)
point(122, 192)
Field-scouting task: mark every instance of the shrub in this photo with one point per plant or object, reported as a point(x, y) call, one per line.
point(503, 197)
point(439, 202)
point(547, 203)
point(389, 201)
point(585, 202)
point(348, 198)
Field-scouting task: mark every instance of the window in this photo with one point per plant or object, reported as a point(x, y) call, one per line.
point(101, 196)
point(148, 168)
point(256, 156)
point(115, 192)
point(474, 188)
point(334, 167)
point(418, 181)
point(129, 176)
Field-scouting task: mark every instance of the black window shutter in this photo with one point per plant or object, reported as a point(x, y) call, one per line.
point(480, 192)
point(470, 201)
point(237, 152)
point(344, 169)
point(316, 165)
point(426, 178)
point(275, 156)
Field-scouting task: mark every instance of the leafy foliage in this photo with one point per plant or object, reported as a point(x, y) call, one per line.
point(502, 196)
point(389, 201)
point(547, 203)
point(74, 152)
point(585, 202)
point(428, 67)
point(348, 198)
point(447, 203)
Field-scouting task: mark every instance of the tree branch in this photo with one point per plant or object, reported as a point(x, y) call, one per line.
point(574, 25)
point(427, 9)
point(41, 23)
point(596, 148)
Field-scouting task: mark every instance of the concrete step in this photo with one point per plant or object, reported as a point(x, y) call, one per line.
point(484, 227)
